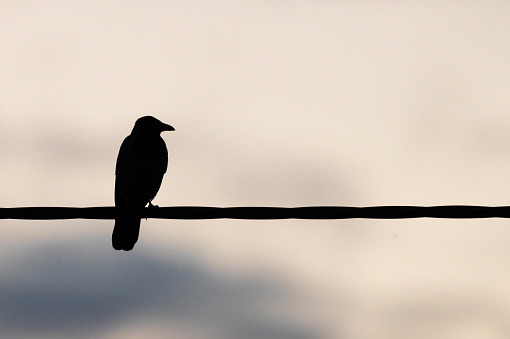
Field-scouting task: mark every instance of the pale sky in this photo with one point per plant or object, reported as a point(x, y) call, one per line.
point(275, 103)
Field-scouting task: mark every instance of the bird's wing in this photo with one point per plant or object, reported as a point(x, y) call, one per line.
point(129, 175)
point(141, 164)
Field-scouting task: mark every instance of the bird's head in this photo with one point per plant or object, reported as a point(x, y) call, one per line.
point(149, 125)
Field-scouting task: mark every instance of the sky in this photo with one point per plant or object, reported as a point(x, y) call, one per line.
point(303, 103)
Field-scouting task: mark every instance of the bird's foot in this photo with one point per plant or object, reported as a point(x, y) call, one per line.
point(152, 206)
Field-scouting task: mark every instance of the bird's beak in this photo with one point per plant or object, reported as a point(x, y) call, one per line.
point(168, 128)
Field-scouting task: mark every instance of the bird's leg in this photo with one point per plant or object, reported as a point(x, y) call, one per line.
point(152, 206)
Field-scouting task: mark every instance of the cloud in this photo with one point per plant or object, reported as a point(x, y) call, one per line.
point(65, 290)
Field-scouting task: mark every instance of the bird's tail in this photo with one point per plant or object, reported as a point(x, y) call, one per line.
point(125, 232)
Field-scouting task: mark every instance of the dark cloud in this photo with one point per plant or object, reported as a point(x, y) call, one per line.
point(80, 291)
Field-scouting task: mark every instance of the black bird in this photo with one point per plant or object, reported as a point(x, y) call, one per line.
point(141, 164)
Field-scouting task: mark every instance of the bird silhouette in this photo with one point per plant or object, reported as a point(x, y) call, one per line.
point(141, 164)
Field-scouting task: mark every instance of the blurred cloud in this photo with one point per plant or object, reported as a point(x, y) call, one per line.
point(461, 316)
point(70, 289)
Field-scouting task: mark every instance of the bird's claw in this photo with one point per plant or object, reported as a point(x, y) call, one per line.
point(152, 206)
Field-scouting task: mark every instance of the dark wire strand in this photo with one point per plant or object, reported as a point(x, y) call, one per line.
point(263, 213)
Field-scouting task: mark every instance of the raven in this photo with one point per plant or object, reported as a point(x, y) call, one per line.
point(141, 164)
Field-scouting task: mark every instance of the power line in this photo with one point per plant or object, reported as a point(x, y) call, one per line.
point(263, 213)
